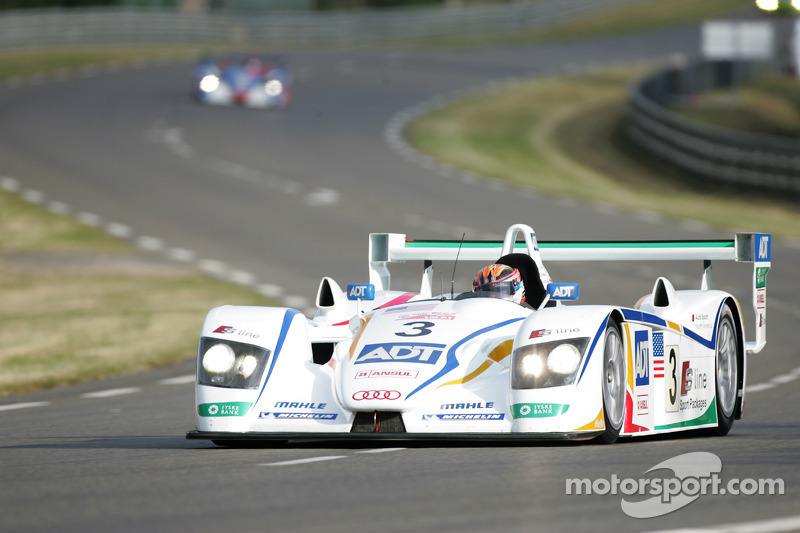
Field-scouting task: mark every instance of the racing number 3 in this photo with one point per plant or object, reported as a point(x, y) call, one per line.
point(671, 388)
point(419, 329)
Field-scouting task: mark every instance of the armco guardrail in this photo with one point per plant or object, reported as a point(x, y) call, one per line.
point(44, 28)
point(722, 155)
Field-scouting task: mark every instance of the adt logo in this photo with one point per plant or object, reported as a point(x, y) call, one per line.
point(361, 291)
point(404, 352)
point(764, 249)
point(642, 358)
point(563, 291)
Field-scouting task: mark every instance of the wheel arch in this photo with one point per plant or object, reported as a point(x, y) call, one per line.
point(736, 311)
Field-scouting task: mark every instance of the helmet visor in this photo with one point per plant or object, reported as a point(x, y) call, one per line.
point(497, 289)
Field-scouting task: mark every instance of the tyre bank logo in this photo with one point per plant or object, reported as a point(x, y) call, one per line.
point(693, 475)
point(224, 409)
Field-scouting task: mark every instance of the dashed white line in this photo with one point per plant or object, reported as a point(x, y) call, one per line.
point(305, 461)
point(780, 379)
point(180, 380)
point(110, 393)
point(23, 405)
point(381, 450)
point(770, 525)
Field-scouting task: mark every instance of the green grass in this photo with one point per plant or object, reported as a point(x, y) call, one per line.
point(78, 304)
point(564, 136)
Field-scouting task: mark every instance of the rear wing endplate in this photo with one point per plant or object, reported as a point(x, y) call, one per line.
point(756, 248)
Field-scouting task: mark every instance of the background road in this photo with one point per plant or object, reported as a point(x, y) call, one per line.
point(277, 200)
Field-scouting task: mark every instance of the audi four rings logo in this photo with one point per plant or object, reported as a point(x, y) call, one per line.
point(376, 395)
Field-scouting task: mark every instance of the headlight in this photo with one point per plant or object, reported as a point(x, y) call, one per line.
point(209, 83)
point(548, 364)
point(230, 364)
point(273, 87)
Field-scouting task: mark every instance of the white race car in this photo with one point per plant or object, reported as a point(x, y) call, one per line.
point(376, 363)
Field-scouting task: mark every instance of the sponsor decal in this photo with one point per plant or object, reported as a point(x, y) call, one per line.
point(473, 405)
point(642, 358)
point(297, 416)
point(362, 374)
point(228, 330)
point(405, 352)
point(300, 405)
point(224, 409)
point(538, 410)
point(761, 298)
point(376, 395)
point(539, 333)
point(761, 277)
point(563, 291)
point(361, 291)
point(428, 316)
point(465, 416)
point(764, 249)
point(642, 404)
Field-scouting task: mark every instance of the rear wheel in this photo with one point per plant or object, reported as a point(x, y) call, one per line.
point(727, 371)
point(613, 383)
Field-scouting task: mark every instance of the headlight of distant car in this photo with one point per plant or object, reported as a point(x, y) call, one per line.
point(273, 87)
point(230, 364)
point(778, 5)
point(209, 83)
point(548, 364)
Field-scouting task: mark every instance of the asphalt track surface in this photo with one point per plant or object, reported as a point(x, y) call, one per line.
point(278, 199)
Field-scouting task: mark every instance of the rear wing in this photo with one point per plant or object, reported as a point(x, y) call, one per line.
point(756, 248)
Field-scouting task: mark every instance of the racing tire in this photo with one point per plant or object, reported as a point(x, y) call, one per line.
point(726, 366)
point(613, 383)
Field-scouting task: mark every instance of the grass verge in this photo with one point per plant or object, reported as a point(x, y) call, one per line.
point(77, 304)
point(564, 136)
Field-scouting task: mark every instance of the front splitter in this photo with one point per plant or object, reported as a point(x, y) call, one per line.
point(387, 437)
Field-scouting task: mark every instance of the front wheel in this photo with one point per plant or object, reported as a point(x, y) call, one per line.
point(613, 383)
point(727, 371)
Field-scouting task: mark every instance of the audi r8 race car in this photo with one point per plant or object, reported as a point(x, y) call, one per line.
point(380, 363)
point(255, 81)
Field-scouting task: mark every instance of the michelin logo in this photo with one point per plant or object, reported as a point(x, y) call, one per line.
point(465, 416)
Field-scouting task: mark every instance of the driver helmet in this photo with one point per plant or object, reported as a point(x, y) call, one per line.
point(500, 281)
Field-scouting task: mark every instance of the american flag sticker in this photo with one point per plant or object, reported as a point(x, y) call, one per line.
point(658, 355)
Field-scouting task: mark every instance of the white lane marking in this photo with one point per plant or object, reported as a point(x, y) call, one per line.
point(33, 196)
point(780, 379)
point(180, 380)
point(322, 196)
point(118, 230)
point(770, 525)
point(9, 184)
point(305, 461)
point(381, 450)
point(111, 392)
point(24, 405)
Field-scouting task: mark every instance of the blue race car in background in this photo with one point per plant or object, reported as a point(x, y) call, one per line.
point(254, 81)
